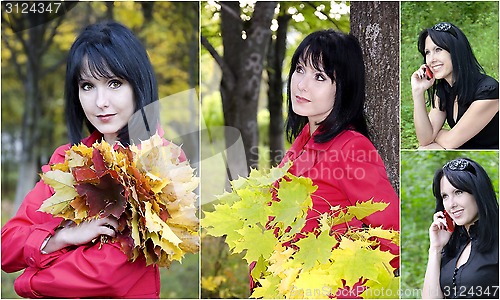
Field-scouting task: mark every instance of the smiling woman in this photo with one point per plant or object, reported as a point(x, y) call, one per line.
point(458, 89)
point(463, 261)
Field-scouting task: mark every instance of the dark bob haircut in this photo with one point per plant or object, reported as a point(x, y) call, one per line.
point(110, 49)
point(340, 57)
point(468, 176)
point(466, 68)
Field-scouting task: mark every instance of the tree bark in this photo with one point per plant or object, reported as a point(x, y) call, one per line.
point(242, 67)
point(376, 25)
point(35, 43)
point(276, 55)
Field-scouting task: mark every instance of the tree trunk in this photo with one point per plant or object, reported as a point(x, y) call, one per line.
point(241, 77)
point(30, 134)
point(40, 31)
point(376, 25)
point(276, 55)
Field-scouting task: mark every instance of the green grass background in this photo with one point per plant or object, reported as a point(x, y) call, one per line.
point(478, 21)
point(418, 204)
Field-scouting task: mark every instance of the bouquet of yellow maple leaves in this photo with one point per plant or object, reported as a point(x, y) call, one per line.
point(147, 189)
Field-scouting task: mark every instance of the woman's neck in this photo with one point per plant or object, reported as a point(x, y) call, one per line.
point(111, 138)
point(312, 127)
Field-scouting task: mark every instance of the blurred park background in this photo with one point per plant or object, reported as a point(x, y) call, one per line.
point(479, 22)
point(418, 206)
point(245, 60)
point(34, 49)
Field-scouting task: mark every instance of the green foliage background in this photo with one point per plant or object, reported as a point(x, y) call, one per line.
point(478, 20)
point(418, 204)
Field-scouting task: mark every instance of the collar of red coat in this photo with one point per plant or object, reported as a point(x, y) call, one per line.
point(305, 141)
point(97, 136)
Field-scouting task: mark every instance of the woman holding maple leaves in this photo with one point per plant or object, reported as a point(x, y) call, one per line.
point(109, 78)
point(326, 94)
point(463, 252)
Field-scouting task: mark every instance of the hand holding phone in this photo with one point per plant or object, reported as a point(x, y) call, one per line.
point(450, 226)
point(428, 73)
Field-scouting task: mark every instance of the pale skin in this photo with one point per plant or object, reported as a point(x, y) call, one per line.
point(464, 204)
point(312, 94)
point(108, 104)
point(428, 125)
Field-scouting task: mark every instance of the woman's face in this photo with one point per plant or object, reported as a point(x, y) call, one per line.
point(460, 205)
point(439, 60)
point(312, 93)
point(108, 103)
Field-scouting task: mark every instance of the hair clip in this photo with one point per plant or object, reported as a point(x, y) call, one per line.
point(445, 27)
point(459, 164)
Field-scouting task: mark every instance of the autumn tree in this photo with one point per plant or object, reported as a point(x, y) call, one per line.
point(245, 44)
point(379, 40)
point(32, 36)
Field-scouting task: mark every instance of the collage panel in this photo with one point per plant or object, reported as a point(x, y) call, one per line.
point(100, 111)
point(449, 75)
point(449, 223)
point(272, 71)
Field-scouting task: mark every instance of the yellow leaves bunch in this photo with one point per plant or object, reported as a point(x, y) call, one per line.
point(146, 188)
point(263, 216)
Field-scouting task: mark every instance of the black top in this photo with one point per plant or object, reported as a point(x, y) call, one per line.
point(478, 277)
point(486, 89)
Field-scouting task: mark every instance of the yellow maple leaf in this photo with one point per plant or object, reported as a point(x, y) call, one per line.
point(65, 192)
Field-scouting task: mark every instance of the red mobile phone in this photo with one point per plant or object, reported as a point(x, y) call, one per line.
point(450, 226)
point(428, 73)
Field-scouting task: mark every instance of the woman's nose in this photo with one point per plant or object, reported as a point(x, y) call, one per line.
point(302, 83)
point(101, 98)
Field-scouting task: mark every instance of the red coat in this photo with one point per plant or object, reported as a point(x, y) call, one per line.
point(77, 272)
point(347, 169)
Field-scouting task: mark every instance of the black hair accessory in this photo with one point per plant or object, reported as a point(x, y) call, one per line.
point(445, 27)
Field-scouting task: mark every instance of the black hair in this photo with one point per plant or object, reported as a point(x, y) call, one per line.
point(110, 49)
point(473, 179)
point(466, 69)
point(340, 56)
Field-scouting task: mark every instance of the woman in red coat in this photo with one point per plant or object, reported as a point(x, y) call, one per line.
point(326, 94)
point(109, 77)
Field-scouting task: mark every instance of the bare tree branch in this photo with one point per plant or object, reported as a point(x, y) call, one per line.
point(230, 11)
point(52, 35)
point(229, 76)
point(314, 6)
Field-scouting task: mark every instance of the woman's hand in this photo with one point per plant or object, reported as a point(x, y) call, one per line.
point(419, 81)
point(82, 233)
point(438, 234)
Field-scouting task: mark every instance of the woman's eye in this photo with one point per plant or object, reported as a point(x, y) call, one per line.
point(444, 196)
point(438, 49)
point(114, 84)
point(299, 69)
point(427, 52)
point(86, 86)
point(458, 192)
point(320, 77)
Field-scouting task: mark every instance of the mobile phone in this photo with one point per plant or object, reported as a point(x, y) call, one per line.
point(450, 226)
point(428, 73)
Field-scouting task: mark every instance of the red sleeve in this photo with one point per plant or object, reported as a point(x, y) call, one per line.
point(88, 271)
point(366, 179)
point(23, 235)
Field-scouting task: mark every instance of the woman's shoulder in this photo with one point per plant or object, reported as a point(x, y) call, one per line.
point(486, 88)
point(349, 139)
